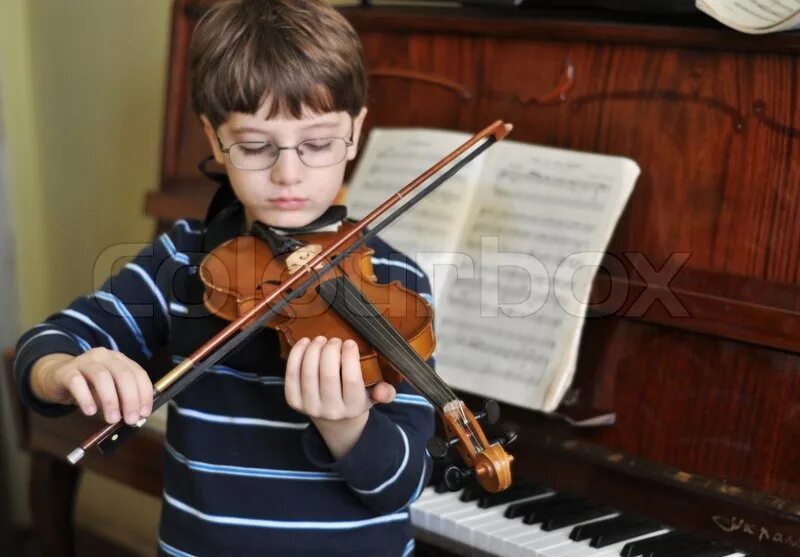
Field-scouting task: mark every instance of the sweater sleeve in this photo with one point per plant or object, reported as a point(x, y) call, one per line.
point(129, 313)
point(389, 465)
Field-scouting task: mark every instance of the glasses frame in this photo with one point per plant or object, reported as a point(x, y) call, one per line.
point(227, 150)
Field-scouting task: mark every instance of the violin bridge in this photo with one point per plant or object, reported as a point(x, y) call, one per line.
point(300, 258)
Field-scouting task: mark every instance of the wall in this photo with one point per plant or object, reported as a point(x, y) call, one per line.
point(83, 88)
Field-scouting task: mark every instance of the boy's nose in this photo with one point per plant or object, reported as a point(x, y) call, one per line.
point(288, 169)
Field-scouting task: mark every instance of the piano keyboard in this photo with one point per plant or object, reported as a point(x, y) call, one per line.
point(529, 520)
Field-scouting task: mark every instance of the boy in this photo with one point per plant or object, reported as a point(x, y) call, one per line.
point(260, 460)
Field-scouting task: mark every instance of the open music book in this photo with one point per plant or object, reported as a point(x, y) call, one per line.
point(754, 16)
point(511, 244)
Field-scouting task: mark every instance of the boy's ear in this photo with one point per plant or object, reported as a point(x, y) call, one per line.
point(358, 122)
point(213, 142)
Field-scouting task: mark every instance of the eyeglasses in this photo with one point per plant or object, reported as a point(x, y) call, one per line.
point(314, 153)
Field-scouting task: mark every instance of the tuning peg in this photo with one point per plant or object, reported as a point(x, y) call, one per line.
point(454, 477)
point(506, 439)
point(490, 411)
point(438, 447)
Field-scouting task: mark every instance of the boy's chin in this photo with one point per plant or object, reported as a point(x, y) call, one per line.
point(287, 219)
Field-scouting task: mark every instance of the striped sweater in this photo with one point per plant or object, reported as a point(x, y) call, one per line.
point(244, 474)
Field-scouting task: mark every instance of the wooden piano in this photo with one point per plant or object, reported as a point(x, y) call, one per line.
point(700, 364)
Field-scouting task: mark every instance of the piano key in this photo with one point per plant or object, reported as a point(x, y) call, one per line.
point(515, 493)
point(494, 537)
point(522, 508)
point(514, 545)
point(589, 531)
point(466, 527)
point(457, 516)
point(583, 549)
point(608, 537)
point(549, 541)
point(451, 522)
point(543, 512)
point(634, 549)
point(427, 509)
point(497, 529)
point(434, 515)
point(562, 520)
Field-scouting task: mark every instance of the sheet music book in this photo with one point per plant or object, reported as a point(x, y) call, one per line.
point(511, 244)
point(754, 16)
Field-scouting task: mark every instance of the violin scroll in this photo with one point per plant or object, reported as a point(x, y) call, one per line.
point(488, 462)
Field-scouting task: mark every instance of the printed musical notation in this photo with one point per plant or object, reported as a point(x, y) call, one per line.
point(520, 233)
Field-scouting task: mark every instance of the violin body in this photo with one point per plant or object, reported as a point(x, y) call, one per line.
point(242, 272)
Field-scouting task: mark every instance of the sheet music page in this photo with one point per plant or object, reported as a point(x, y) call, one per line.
point(428, 232)
point(509, 326)
point(754, 16)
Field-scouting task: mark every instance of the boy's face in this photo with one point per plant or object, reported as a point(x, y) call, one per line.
point(289, 193)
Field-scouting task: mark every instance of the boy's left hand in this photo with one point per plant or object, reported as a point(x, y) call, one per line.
point(324, 381)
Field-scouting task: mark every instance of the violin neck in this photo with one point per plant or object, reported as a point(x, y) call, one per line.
point(365, 318)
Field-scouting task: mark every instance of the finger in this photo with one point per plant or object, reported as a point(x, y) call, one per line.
point(383, 393)
point(106, 392)
point(353, 391)
point(330, 382)
point(145, 387)
point(309, 375)
point(291, 385)
point(79, 389)
point(127, 390)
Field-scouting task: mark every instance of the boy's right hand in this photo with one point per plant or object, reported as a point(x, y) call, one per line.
point(97, 378)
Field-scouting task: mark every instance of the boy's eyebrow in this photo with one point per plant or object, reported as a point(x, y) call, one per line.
point(320, 124)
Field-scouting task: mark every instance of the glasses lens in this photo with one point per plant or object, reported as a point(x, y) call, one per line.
point(322, 152)
point(253, 156)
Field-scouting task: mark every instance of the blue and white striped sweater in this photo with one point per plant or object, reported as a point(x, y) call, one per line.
point(244, 474)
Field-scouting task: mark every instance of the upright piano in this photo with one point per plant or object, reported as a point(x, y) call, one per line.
point(701, 363)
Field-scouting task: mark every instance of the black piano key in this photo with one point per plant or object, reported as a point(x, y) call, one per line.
point(563, 520)
point(472, 491)
point(633, 549)
point(514, 493)
point(542, 514)
point(515, 510)
point(586, 531)
point(632, 530)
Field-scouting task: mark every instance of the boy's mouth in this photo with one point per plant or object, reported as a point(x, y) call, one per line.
point(288, 203)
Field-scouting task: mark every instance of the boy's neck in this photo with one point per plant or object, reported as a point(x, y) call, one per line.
point(329, 221)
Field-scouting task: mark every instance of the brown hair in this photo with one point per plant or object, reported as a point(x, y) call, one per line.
point(297, 52)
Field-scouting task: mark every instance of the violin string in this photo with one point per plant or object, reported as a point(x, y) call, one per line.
point(389, 336)
point(408, 353)
point(352, 300)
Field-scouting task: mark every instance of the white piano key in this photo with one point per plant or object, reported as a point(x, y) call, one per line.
point(436, 515)
point(484, 534)
point(555, 538)
point(450, 521)
point(426, 509)
point(583, 549)
point(465, 524)
point(500, 541)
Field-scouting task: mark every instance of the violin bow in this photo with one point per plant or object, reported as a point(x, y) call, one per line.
point(233, 335)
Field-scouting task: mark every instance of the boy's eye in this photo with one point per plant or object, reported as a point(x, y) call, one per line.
point(256, 148)
point(317, 145)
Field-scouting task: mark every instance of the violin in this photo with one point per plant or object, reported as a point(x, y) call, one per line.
point(323, 283)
